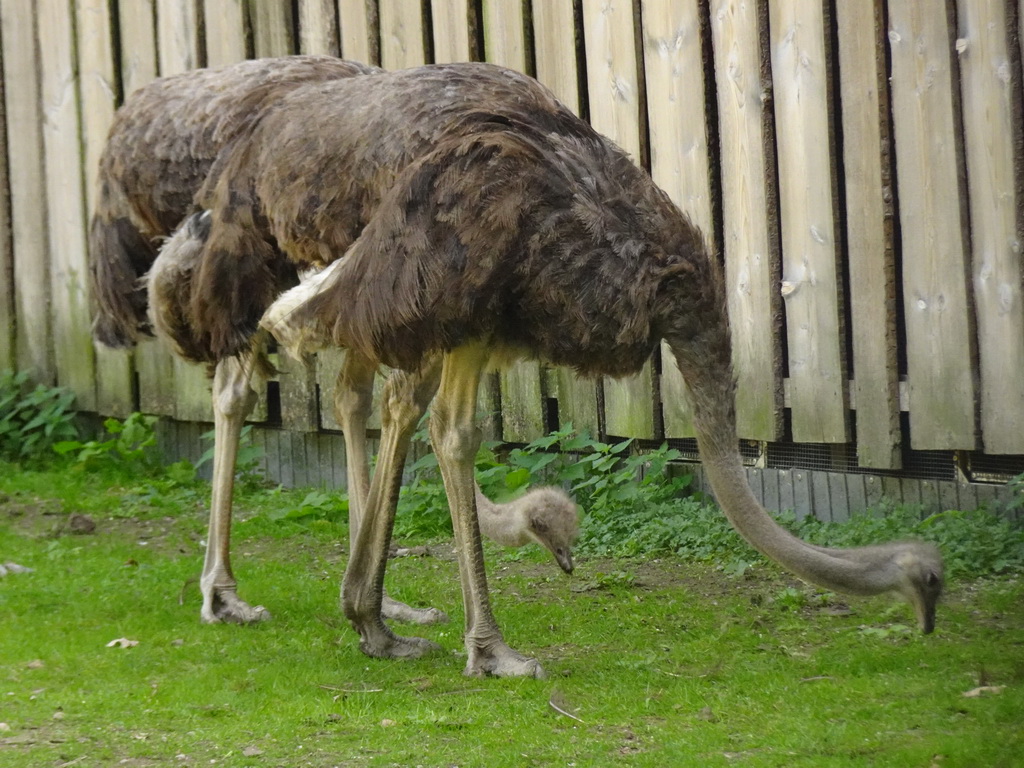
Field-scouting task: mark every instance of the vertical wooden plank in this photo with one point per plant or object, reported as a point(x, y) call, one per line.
point(680, 163)
point(272, 30)
point(505, 33)
point(803, 498)
point(522, 389)
point(787, 497)
point(98, 88)
point(755, 481)
point(869, 231)
point(297, 459)
point(452, 30)
point(318, 27)
point(892, 490)
point(554, 40)
point(359, 31)
point(929, 497)
point(949, 497)
point(137, 43)
point(838, 494)
point(614, 89)
point(69, 271)
point(226, 32)
point(402, 34)
point(154, 364)
point(522, 398)
point(770, 484)
point(991, 91)
point(872, 492)
point(177, 36)
point(821, 506)
point(750, 215)
point(328, 364)
point(940, 324)
point(179, 50)
point(34, 351)
point(8, 349)
point(856, 493)
point(554, 32)
point(811, 281)
point(297, 381)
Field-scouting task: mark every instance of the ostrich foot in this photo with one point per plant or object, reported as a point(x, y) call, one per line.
point(497, 659)
point(385, 644)
point(223, 605)
point(396, 611)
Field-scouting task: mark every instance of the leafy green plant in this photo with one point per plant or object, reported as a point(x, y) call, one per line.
point(317, 505)
point(32, 420)
point(128, 445)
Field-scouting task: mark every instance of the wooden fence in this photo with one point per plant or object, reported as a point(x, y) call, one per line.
point(859, 166)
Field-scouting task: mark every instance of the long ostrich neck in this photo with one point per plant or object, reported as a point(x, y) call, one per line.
point(501, 523)
point(866, 571)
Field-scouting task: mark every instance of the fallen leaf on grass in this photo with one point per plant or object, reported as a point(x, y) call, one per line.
point(35, 664)
point(385, 723)
point(122, 642)
point(6, 568)
point(981, 690)
point(252, 751)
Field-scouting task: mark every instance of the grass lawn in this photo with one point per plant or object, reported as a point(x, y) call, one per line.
point(655, 662)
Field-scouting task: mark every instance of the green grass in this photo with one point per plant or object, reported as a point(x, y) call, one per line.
point(665, 662)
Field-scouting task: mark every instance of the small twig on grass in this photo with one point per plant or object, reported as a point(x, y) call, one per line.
point(339, 689)
point(72, 762)
point(813, 679)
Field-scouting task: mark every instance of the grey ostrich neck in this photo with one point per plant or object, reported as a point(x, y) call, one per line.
point(864, 571)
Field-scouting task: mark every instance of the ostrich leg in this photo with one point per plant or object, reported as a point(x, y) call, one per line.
point(233, 400)
point(406, 397)
point(456, 439)
point(353, 397)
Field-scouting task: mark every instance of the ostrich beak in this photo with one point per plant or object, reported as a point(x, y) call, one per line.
point(924, 607)
point(564, 559)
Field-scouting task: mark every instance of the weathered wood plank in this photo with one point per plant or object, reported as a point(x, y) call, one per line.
point(993, 128)
point(98, 92)
point(69, 271)
point(787, 499)
point(8, 348)
point(328, 365)
point(504, 27)
point(522, 399)
point(137, 43)
point(554, 31)
point(750, 207)
point(803, 497)
point(34, 351)
point(522, 390)
point(318, 27)
point(615, 104)
point(821, 495)
point(680, 162)
point(402, 35)
point(272, 30)
point(554, 39)
point(939, 323)
point(869, 229)
point(811, 281)
point(949, 495)
point(453, 24)
point(179, 50)
point(856, 493)
point(838, 494)
point(227, 32)
point(297, 382)
point(873, 492)
point(359, 26)
point(177, 37)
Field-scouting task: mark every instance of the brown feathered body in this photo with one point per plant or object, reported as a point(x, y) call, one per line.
point(160, 149)
point(470, 203)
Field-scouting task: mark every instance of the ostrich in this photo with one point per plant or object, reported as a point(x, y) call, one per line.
point(481, 221)
point(161, 148)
